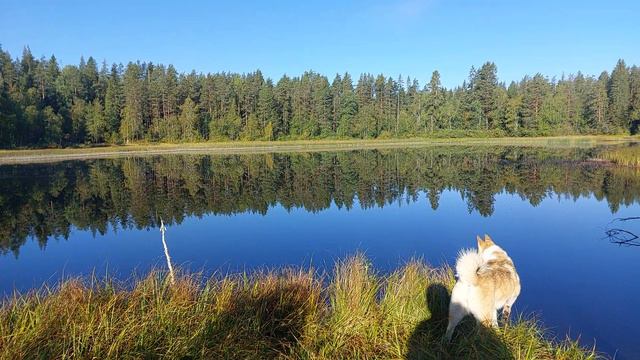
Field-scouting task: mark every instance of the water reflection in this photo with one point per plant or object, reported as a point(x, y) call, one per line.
point(621, 232)
point(43, 201)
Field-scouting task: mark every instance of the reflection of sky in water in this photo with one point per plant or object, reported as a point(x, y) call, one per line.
point(573, 278)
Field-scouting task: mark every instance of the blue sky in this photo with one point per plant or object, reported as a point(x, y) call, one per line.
point(408, 37)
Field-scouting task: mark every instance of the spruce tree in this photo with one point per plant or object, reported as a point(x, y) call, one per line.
point(619, 96)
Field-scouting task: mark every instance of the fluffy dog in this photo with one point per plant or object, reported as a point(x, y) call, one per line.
point(487, 282)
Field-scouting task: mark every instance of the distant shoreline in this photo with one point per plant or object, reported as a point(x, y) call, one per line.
point(27, 156)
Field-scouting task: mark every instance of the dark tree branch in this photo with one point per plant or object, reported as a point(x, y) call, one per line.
point(623, 237)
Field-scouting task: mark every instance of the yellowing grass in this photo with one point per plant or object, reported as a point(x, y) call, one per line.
point(288, 314)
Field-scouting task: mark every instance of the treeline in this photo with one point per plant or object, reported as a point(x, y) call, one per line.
point(47, 200)
point(42, 104)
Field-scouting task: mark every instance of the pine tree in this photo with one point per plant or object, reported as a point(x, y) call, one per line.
point(89, 78)
point(348, 107)
point(596, 104)
point(79, 112)
point(536, 90)
point(96, 122)
point(189, 119)
point(133, 113)
point(113, 103)
point(336, 99)
point(283, 107)
point(485, 87)
point(53, 127)
point(619, 96)
point(170, 93)
point(434, 100)
point(266, 111)
point(634, 106)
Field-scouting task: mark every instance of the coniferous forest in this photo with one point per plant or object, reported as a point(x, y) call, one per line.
point(45, 104)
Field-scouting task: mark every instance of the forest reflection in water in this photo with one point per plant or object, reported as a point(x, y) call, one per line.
point(45, 200)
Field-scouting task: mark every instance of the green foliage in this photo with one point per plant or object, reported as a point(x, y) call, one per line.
point(41, 104)
point(189, 121)
point(134, 111)
point(97, 125)
point(619, 95)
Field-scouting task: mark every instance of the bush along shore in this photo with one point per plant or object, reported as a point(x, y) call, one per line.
point(287, 314)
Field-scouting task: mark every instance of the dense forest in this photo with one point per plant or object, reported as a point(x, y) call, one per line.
point(47, 200)
point(44, 104)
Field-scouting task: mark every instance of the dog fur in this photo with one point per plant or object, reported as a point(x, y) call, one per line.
point(487, 282)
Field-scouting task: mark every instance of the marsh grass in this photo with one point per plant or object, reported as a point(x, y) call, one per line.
point(625, 156)
point(23, 156)
point(290, 314)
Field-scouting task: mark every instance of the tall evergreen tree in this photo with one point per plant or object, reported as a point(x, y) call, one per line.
point(134, 111)
point(485, 87)
point(113, 103)
point(634, 101)
point(434, 100)
point(619, 95)
point(189, 120)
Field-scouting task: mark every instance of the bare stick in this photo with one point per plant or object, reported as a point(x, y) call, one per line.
point(166, 253)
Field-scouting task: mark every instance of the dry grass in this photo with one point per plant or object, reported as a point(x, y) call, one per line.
point(289, 314)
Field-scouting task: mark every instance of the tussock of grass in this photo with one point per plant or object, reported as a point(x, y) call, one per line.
point(288, 314)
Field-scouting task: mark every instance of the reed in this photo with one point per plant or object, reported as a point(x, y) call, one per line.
point(625, 156)
point(353, 313)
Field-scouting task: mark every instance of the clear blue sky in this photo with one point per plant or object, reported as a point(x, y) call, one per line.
point(408, 37)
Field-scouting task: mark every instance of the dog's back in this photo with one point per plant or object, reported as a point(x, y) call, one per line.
point(498, 279)
point(487, 281)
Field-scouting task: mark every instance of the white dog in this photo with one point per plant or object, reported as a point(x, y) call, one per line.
point(487, 282)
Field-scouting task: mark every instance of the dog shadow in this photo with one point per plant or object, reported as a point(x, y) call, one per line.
point(471, 340)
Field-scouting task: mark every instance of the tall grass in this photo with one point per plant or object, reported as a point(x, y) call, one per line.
point(626, 156)
point(287, 314)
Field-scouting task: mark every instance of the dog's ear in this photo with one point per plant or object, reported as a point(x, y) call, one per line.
point(480, 243)
point(487, 241)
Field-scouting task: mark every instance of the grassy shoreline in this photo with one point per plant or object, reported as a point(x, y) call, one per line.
point(241, 147)
point(286, 314)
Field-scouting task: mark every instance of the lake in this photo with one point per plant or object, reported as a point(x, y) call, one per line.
point(549, 207)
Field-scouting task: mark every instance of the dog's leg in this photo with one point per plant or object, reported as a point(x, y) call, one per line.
point(494, 318)
point(488, 317)
point(506, 310)
point(456, 313)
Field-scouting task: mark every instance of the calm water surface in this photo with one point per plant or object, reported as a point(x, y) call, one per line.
point(549, 208)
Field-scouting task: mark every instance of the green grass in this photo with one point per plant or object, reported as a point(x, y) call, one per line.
point(236, 147)
point(287, 314)
point(625, 156)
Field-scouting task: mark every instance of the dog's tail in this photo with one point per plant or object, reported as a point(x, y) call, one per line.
point(467, 265)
